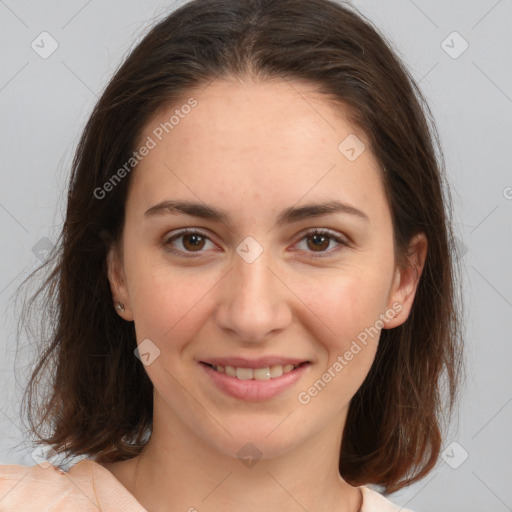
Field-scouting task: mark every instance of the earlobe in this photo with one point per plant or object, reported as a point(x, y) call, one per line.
point(118, 285)
point(406, 280)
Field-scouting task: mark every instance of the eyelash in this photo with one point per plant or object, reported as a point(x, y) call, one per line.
point(316, 231)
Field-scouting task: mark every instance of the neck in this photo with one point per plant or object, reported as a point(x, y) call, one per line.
point(180, 471)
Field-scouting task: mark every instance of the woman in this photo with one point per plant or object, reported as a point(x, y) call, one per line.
point(254, 289)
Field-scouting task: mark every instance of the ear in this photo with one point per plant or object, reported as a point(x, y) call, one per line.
point(117, 279)
point(405, 282)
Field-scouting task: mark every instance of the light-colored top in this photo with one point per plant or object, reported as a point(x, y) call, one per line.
point(89, 487)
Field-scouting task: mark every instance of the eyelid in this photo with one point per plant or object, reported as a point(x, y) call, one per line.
point(324, 231)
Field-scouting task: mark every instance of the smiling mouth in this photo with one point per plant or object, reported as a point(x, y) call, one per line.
point(265, 373)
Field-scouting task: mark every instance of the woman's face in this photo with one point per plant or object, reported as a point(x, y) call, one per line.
point(251, 286)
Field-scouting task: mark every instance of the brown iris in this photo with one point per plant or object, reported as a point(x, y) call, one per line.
point(196, 242)
point(321, 242)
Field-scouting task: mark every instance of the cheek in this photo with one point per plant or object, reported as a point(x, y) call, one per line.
point(165, 302)
point(345, 304)
point(347, 338)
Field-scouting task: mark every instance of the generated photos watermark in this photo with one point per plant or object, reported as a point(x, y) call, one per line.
point(150, 143)
point(305, 397)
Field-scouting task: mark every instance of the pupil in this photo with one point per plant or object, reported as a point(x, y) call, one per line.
point(193, 240)
point(319, 241)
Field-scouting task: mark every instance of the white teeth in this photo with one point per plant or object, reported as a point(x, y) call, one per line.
point(266, 373)
point(276, 371)
point(229, 371)
point(262, 373)
point(244, 373)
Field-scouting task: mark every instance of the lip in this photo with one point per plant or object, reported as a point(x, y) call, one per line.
point(253, 390)
point(261, 362)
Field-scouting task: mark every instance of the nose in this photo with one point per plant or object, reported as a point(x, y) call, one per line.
point(253, 302)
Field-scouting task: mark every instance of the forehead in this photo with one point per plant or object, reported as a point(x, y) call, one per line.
point(278, 139)
point(246, 115)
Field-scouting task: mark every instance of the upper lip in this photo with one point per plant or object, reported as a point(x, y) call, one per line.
point(261, 362)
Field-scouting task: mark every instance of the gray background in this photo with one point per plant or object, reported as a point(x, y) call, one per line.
point(45, 103)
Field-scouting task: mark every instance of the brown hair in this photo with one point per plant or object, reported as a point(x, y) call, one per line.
point(99, 400)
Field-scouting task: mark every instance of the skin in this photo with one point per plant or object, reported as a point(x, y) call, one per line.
point(254, 149)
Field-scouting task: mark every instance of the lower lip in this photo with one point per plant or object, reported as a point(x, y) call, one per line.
point(254, 390)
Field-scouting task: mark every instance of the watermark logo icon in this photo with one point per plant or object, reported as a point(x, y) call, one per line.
point(44, 45)
point(351, 147)
point(249, 249)
point(147, 352)
point(44, 455)
point(42, 249)
point(454, 45)
point(461, 249)
point(454, 455)
point(249, 455)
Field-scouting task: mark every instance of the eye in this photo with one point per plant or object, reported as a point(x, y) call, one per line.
point(192, 241)
point(319, 240)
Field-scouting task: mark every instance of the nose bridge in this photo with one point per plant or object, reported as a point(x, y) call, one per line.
point(253, 303)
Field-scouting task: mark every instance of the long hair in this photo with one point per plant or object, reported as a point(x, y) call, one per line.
point(98, 399)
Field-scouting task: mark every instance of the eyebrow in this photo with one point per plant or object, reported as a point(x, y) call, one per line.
point(289, 215)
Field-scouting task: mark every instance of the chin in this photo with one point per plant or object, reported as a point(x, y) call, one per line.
point(247, 440)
